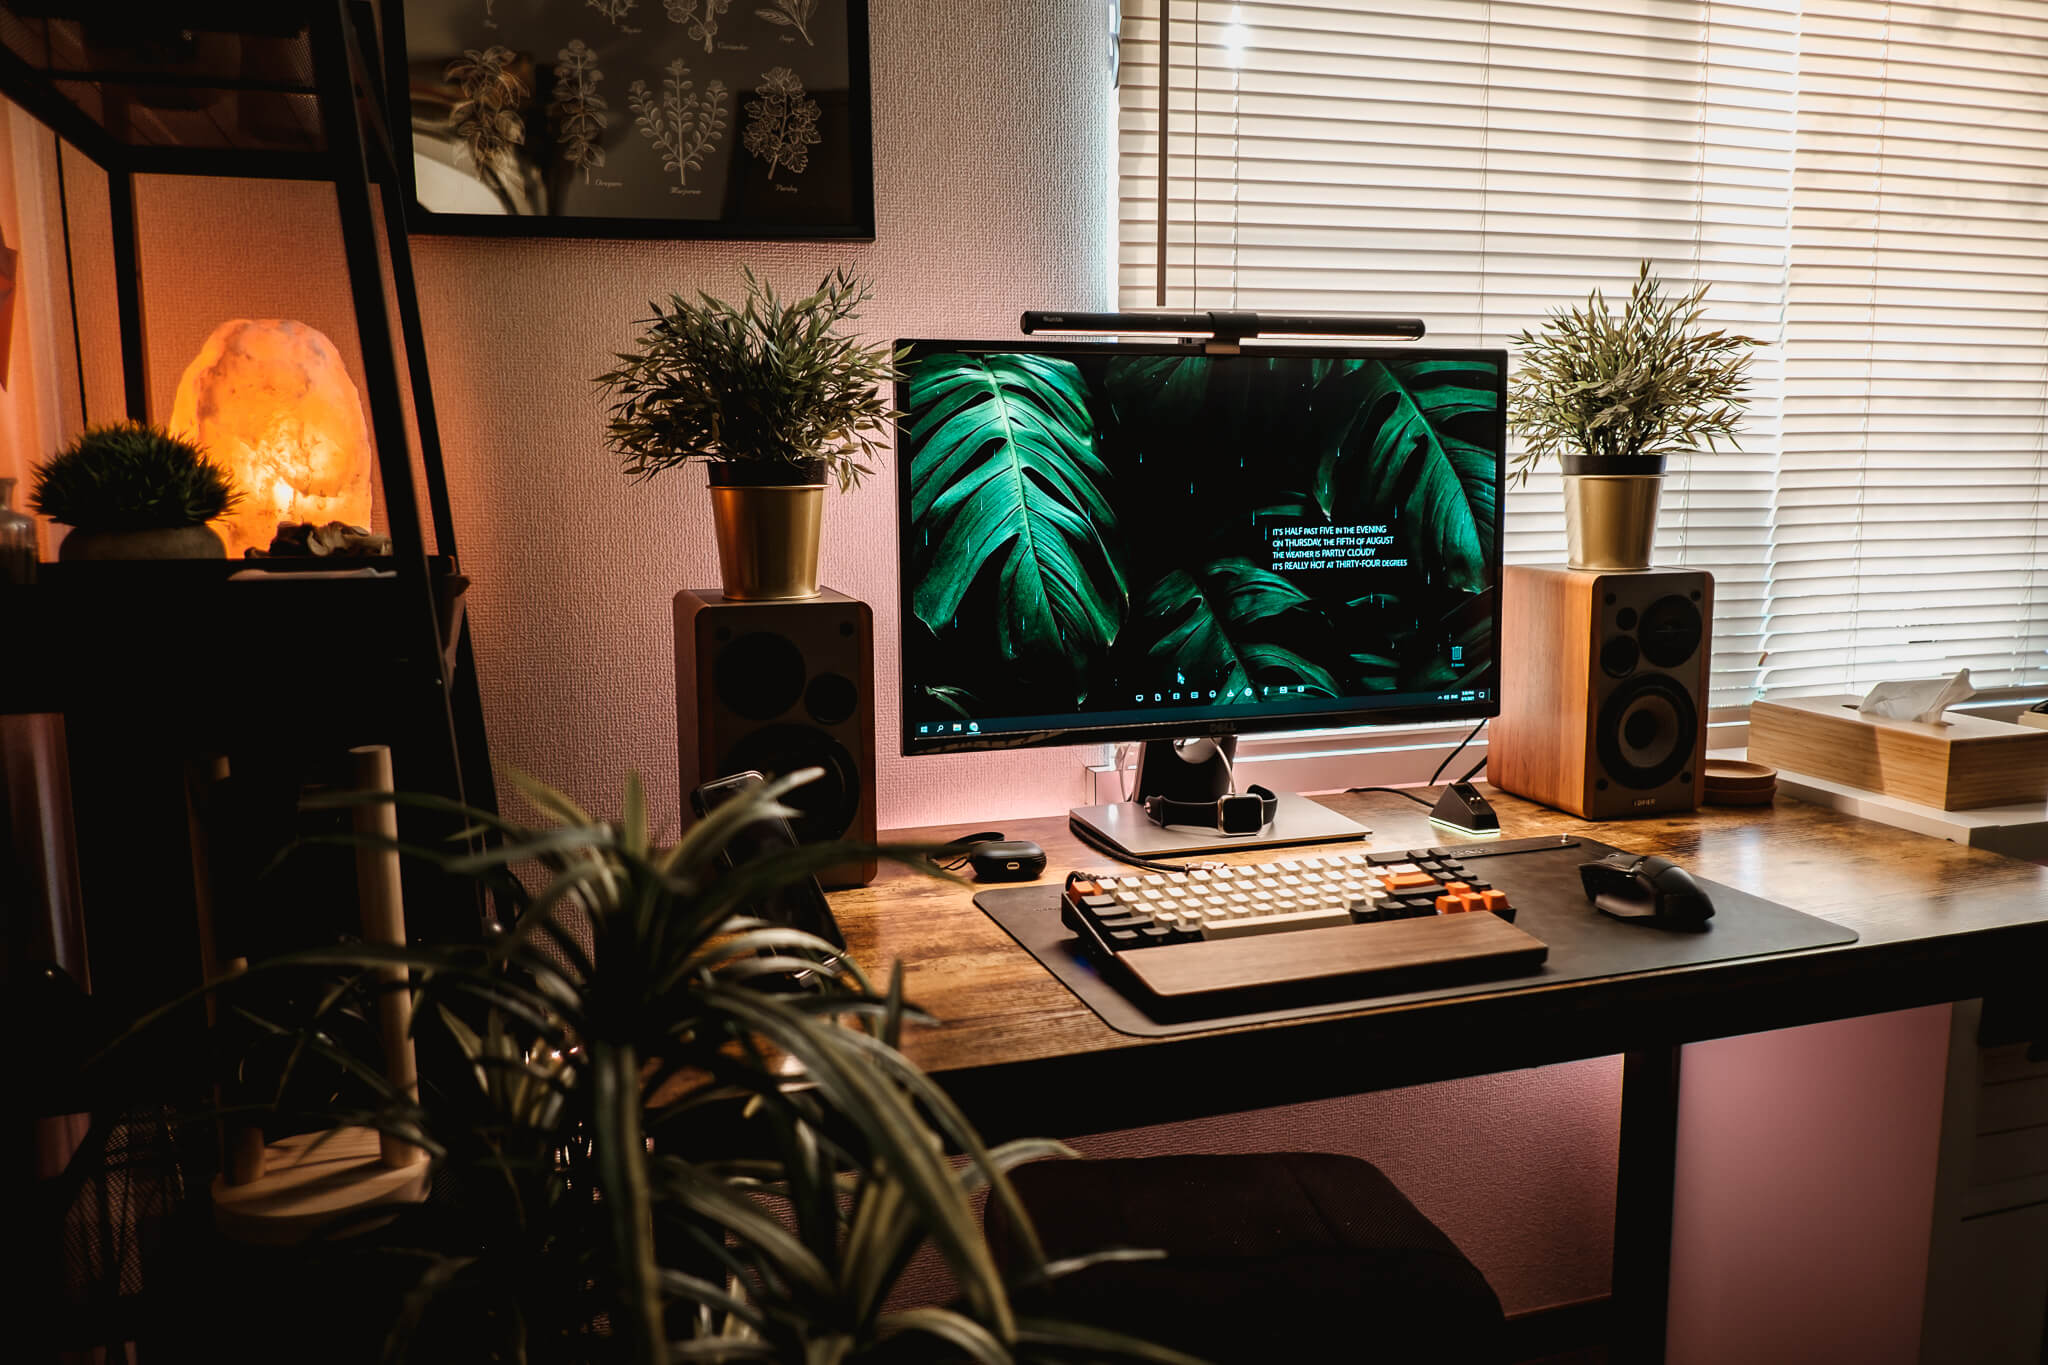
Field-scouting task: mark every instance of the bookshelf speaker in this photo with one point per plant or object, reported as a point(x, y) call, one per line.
point(778, 686)
point(1603, 689)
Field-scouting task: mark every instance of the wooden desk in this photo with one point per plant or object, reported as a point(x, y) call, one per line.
point(1936, 922)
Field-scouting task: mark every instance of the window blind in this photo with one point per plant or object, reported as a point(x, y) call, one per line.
point(1910, 507)
point(1479, 163)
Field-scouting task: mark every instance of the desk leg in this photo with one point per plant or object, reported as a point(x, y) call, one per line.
point(1642, 1205)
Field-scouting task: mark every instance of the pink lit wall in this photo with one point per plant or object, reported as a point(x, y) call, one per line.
point(1805, 1199)
point(993, 129)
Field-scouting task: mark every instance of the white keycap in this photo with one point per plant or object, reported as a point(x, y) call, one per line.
point(1313, 862)
point(1289, 865)
point(1153, 879)
point(1176, 876)
point(1201, 874)
point(1273, 924)
point(1107, 883)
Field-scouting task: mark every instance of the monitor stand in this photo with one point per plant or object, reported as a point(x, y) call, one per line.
point(1199, 770)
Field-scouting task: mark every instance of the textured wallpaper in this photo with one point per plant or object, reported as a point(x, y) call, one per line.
point(993, 127)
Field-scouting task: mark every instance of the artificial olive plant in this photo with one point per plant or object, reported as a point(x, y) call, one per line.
point(767, 381)
point(1652, 382)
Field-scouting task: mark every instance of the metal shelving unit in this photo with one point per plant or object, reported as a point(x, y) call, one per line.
point(255, 89)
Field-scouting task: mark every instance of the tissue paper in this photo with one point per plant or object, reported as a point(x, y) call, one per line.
point(1922, 701)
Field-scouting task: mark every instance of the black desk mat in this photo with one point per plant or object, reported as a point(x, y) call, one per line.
point(1549, 902)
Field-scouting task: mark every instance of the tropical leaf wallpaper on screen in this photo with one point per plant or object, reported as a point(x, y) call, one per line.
point(1090, 528)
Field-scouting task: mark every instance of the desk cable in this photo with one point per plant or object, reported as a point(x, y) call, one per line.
point(1469, 775)
point(1096, 842)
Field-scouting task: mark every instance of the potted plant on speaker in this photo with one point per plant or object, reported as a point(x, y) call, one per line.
point(1612, 398)
point(131, 491)
point(775, 400)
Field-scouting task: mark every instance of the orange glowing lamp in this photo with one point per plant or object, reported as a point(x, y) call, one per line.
point(270, 401)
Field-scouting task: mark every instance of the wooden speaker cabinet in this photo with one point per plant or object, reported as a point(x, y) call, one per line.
point(1603, 689)
point(778, 686)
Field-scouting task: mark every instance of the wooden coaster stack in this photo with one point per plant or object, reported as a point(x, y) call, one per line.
point(1733, 782)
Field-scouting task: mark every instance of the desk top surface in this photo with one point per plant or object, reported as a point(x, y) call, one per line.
point(1936, 921)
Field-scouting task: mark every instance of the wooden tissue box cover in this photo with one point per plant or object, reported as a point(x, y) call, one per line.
point(1959, 763)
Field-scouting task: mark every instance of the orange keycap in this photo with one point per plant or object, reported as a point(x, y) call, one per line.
point(1457, 888)
point(1493, 900)
point(1448, 905)
point(1408, 881)
point(1087, 889)
point(1470, 901)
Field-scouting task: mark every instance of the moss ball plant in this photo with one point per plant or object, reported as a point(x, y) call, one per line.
point(129, 476)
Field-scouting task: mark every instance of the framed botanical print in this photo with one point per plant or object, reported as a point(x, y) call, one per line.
point(635, 118)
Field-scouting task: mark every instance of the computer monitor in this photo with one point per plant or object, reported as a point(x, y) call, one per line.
point(1142, 541)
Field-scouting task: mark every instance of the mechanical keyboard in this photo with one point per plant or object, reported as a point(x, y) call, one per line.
point(1321, 922)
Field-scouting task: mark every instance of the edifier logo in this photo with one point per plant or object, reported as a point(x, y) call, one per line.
point(1644, 801)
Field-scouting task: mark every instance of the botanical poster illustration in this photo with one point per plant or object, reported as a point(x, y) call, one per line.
point(794, 14)
point(485, 120)
point(694, 118)
point(614, 10)
point(702, 27)
point(1077, 529)
point(782, 126)
point(577, 110)
point(683, 126)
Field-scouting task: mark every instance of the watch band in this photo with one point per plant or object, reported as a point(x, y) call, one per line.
point(1247, 812)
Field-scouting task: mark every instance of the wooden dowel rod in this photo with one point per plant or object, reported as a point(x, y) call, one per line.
point(383, 907)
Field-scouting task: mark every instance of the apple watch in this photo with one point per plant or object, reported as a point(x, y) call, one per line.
point(1245, 812)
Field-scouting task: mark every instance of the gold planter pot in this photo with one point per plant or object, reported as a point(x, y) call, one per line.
point(768, 539)
point(1610, 520)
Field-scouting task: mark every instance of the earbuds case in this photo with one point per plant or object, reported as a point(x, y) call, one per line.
point(1006, 860)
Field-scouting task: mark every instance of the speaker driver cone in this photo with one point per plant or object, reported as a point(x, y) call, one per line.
point(1671, 631)
point(1646, 730)
point(760, 675)
point(825, 807)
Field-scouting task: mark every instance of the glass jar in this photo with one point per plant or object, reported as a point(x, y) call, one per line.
point(17, 540)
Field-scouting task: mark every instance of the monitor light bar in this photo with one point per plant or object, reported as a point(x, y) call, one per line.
point(1222, 325)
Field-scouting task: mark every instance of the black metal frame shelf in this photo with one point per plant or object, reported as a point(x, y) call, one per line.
point(353, 149)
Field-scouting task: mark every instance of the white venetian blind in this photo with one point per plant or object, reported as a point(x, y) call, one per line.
point(1478, 164)
point(1910, 514)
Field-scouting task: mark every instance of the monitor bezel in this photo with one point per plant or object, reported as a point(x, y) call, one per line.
point(1251, 722)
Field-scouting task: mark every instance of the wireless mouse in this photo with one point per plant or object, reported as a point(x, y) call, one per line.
point(1649, 890)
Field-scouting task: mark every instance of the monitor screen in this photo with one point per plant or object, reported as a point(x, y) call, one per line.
point(1123, 541)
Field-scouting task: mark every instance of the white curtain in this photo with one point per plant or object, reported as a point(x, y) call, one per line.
point(1482, 162)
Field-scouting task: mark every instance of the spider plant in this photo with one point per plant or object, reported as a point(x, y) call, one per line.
point(676, 1131)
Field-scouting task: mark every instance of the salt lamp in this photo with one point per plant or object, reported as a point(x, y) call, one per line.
point(271, 402)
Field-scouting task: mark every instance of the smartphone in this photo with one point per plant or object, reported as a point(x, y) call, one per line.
point(799, 904)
